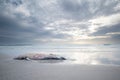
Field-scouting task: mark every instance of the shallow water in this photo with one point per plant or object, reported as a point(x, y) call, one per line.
point(81, 54)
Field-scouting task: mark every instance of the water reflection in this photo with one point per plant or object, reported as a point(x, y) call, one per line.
point(94, 54)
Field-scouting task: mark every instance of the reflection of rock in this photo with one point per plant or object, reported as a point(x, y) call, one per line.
point(22, 58)
point(53, 58)
point(40, 57)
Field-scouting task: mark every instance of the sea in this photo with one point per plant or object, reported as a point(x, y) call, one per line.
point(97, 54)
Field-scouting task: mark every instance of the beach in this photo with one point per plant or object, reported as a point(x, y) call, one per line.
point(90, 63)
point(31, 70)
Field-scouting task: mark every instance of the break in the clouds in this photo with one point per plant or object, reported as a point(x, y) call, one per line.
point(59, 21)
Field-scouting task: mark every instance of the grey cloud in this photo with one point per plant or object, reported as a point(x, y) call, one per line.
point(116, 36)
point(11, 30)
point(103, 31)
point(86, 9)
point(16, 27)
point(76, 9)
point(5, 22)
point(13, 33)
point(14, 2)
point(6, 41)
point(106, 7)
point(107, 29)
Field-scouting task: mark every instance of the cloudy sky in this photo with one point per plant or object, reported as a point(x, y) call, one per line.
point(59, 21)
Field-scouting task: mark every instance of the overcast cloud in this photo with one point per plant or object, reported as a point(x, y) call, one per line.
point(68, 21)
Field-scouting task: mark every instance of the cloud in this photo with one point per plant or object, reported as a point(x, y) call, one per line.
point(105, 20)
point(56, 21)
point(87, 9)
point(105, 26)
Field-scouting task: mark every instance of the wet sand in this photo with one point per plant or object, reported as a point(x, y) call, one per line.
point(31, 70)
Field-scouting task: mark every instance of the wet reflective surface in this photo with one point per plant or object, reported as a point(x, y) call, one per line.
point(78, 54)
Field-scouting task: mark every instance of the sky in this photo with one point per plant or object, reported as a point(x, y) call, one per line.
point(30, 22)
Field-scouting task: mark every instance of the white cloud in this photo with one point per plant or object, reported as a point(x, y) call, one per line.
point(76, 29)
point(113, 33)
point(104, 21)
point(79, 30)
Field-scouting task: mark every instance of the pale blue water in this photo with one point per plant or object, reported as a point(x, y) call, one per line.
point(82, 54)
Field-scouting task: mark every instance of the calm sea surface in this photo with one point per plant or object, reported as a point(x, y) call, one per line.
point(79, 54)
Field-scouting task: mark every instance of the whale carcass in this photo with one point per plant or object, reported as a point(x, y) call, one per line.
point(40, 57)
